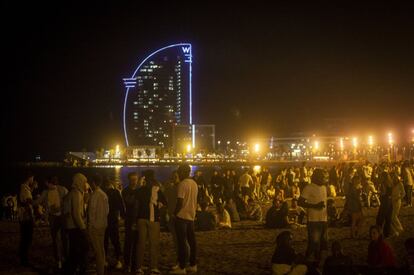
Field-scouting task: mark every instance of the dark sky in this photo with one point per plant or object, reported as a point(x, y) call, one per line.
point(258, 70)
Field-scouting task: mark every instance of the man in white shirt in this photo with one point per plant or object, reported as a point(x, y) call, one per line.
point(245, 181)
point(98, 210)
point(314, 198)
point(185, 212)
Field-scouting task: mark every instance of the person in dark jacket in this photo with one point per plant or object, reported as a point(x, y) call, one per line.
point(131, 234)
point(338, 263)
point(205, 220)
point(277, 215)
point(150, 199)
point(285, 260)
point(116, 210)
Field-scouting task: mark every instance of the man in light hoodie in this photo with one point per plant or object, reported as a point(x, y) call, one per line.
point(73, 210)
point(98, 210)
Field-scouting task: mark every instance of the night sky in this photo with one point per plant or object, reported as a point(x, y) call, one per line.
point(258, 70)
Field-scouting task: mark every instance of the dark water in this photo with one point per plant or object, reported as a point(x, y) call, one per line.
point(119, 174)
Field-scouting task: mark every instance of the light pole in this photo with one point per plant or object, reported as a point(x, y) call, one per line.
point(391, 143)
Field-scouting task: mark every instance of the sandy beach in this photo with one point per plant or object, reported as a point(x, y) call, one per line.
point(247, 248)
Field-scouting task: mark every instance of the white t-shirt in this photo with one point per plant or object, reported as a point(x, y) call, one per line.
point(245, 180)
point(187, 190)
point(313, 194)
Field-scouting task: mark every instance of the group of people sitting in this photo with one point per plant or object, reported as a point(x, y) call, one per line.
point(380, 258)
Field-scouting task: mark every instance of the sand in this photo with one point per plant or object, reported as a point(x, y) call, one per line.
point(247, 248)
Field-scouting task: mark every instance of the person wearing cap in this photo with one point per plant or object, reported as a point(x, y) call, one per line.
point(314, 198)
point(52, 200)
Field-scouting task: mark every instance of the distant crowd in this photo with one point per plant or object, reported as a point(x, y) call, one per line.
point(90, 215)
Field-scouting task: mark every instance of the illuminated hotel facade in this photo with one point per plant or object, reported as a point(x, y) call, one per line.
point(158, 97)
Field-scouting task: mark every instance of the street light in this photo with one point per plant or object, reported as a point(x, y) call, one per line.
point(390, 139)
point(391, 143)
point(188, 148)
point(370, 141)
point(257, 148)
point(355, 142)
point(341, 144)
point(316, 145)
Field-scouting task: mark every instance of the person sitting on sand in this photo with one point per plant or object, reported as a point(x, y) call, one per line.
point(271, 191)
point(205, 220)
point(232, 209)
point(223, 217)
point(380, 253)
point(284, 259)
point(254, 211)
point(277, 215)
point(338, 263)
point(296, 213)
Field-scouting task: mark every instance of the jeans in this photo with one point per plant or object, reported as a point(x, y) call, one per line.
point(130, 245)
point(151, 230)
point(78, 250)
point(384, 216)
point(317, 239)
point(59, 239)
point(185, 234)
point(408, 194)
point(112, 233)
point(26, 236)
point(97, 236)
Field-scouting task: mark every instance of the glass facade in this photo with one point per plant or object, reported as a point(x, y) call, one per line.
point(158, 97)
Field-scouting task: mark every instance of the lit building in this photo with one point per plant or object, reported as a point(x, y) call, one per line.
point(158, 97)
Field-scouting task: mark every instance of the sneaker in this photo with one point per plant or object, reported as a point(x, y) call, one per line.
point(178, 271)
point(118, 265)
point(155, 271)
point(191, 268)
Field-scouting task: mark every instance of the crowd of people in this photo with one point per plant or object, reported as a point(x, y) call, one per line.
point(89, 214)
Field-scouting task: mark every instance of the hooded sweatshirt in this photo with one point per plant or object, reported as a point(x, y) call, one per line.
point(74, 203)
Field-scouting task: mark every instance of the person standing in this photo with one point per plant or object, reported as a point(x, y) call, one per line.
point(74, 213)
point(354, 206)
point(314, 198)
point(150, 200)
point(408, 181)
point(384, 215)
point(52, 200)
point(245, 181)
point(26, 218)
point(170, 193)
point(397, 195)
point(131, 234)
point(116, 210)
point(185, 212)
point(98, 210)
